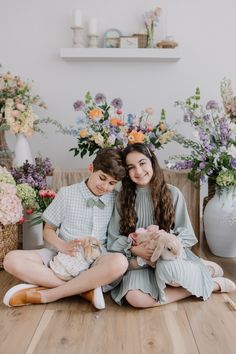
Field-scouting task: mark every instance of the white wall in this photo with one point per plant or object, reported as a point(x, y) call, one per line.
point(32, 33)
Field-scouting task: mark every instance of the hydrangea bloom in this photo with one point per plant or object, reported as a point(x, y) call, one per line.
point(11, 210)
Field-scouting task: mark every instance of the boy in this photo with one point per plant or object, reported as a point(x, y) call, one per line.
point(79, 210)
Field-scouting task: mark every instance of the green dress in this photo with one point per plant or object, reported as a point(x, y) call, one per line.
point(188, 271)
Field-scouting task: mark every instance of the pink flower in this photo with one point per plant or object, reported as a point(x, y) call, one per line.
point(43, 193)
point(20, 107)
point(15, 113)
point(149, 111)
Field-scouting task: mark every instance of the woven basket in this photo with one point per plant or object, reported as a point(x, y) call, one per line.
point(8, 240)
point(142, 40)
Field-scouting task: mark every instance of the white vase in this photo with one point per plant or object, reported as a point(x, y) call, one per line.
point(22, 151)
point(220, 223)
point(32, 234)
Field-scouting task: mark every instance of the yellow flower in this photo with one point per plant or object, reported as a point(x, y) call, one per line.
point(136, 137)
point(95, 113)
point(166, 137)
point(83, 133)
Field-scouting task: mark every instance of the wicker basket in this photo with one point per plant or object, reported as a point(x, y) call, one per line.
point(8, 240)
point(142, 40)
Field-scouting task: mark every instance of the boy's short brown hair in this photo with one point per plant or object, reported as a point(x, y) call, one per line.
point(109, 161)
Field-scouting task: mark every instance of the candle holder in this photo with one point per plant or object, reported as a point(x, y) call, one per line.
point(77, 39)
point(93, 41)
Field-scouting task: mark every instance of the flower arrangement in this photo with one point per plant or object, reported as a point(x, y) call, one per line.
point(151, 18)
point(16, 106)
point(104, 125)
point(11, 210)
point(229, 100)
point(31, 186)
point(213, 150)
point(34, 175)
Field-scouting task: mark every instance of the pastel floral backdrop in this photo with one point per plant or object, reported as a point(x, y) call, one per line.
point(213, 147)
point(100, 124)
point(18, 104)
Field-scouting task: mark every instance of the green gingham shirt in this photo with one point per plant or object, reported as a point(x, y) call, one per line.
point(70, 214)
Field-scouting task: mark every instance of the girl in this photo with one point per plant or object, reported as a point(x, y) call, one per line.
point(146, 199)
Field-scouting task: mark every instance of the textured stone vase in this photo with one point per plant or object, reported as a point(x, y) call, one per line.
point(22, 150)
point(220, 223)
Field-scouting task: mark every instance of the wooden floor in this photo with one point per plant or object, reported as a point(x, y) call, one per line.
point(74, 326)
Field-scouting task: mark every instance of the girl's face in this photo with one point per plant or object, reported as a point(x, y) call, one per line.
point(139, 168)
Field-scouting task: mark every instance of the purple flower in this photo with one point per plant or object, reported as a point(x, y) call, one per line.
point(206, 117)
point(224, 132)
point(117, 103)
point(78, 105)
point(212, 105)
point(99, 98)
point(202, 165)
point(233, 164)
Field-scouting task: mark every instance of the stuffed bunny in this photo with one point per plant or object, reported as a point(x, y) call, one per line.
point(67, 267)
point(166, 246)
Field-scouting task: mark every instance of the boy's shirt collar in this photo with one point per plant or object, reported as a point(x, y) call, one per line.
point(87, 194)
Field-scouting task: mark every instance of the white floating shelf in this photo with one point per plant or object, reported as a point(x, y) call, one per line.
point(114, 54)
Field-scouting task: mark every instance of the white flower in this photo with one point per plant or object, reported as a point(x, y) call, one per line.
point(195, 134)
point(232, 151)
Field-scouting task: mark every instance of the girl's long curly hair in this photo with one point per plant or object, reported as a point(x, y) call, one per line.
point(161, 196)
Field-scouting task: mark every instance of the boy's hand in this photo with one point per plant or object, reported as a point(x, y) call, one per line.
point(71, 247)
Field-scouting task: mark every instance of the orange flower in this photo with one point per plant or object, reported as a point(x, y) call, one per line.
point(136, 137)
point(162, 127)
point(95, 113)
point(116, 121)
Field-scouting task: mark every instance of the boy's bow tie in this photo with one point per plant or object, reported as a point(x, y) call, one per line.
point(91, 202)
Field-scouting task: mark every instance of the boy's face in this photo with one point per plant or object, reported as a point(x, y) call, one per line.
point(100, 183)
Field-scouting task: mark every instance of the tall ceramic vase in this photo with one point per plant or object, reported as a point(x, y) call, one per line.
point(22, 150)
point(220, 222)
point(32, 234)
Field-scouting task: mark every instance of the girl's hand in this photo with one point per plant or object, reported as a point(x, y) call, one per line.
point(142, 251)
point(71, 248)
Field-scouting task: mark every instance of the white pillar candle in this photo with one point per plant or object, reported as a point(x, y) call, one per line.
point(77, 18)
point(92, 27)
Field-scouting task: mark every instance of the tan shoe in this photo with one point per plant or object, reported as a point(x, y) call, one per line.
point(95, 297)
point(226, 285)
point(23, 294)
point(214, 268)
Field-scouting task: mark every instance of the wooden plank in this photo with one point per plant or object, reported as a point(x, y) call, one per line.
point(213, 325)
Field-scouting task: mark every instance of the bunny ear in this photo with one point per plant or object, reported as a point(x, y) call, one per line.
point(88, 252)
point(158, 250)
